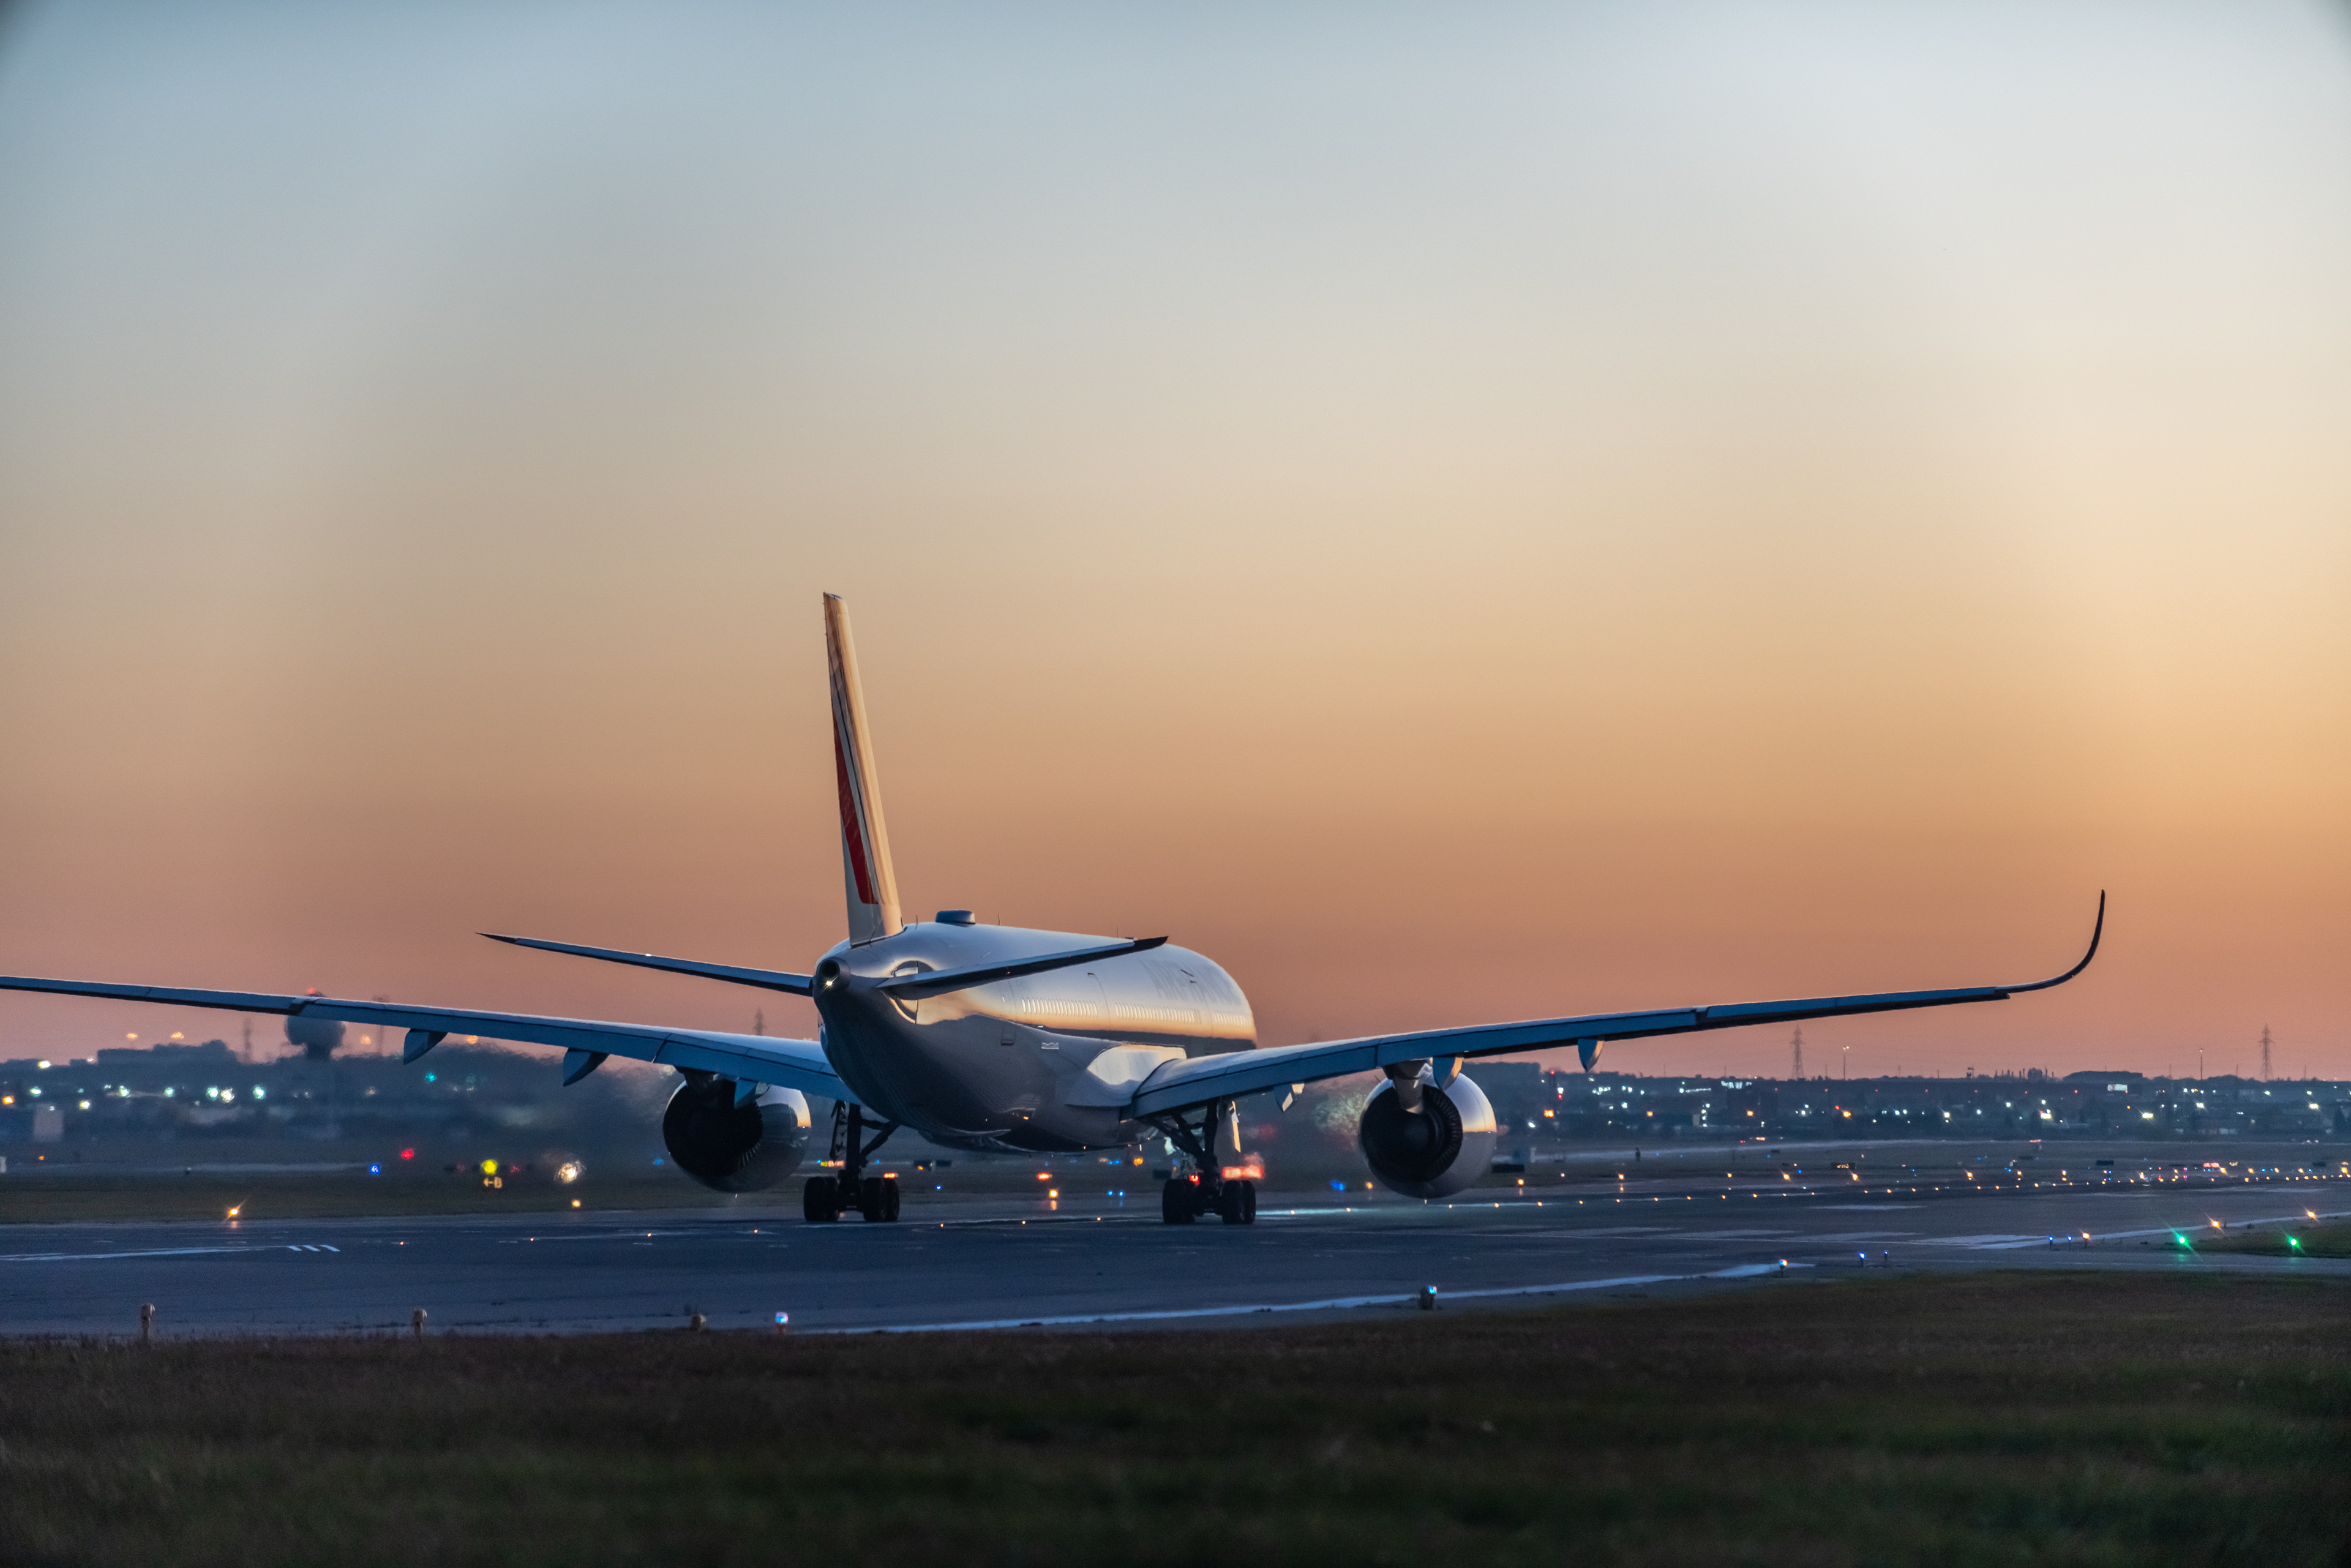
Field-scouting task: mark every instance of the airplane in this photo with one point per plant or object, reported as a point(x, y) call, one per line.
point(996, 1037)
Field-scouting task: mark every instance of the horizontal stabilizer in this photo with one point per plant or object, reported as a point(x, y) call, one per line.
point(766, 979)
point(938, 982)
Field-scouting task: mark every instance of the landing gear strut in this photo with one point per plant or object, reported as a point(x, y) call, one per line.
point(848, 1190)
point(1188, 1195)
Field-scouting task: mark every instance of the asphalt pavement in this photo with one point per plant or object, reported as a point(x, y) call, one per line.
point(1096, 1260)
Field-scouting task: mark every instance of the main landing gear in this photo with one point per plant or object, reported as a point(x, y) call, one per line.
point(1184, 1198)
point(827, 1198)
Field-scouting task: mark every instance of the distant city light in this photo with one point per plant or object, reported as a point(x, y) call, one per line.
point(375, 1170)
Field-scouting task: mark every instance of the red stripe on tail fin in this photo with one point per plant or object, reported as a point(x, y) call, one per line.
point(871, 889)
point(852, 836)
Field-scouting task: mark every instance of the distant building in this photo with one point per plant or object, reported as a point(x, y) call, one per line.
point(211, 1051)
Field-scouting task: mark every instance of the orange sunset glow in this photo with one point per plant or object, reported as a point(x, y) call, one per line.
point(1459, 514)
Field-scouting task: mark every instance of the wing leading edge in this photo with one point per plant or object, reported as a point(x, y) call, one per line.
point(1181, 1085)
point(746, 1058)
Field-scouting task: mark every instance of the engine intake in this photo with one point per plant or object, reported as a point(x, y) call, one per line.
point(1436, 1151)
point(735, 1148)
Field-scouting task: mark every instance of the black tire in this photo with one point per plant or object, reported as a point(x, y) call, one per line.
point(1229, 1199)
point(1248, 1202)
point(872, 1202)
point(1175, 1201)
point(889, 1200)
point(821, 1200)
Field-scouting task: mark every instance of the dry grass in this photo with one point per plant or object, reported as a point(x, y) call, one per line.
point(2327, 1239)
point(2060, 1419)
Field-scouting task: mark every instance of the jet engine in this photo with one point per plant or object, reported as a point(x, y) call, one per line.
point(1435, 1151)
point(735, 1148)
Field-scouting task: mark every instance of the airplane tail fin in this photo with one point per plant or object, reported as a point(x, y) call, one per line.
point(865, 841)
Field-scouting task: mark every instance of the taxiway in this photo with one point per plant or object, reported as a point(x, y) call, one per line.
point(1008, 1261)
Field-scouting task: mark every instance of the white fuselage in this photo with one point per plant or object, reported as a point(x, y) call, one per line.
point(1039, 1063)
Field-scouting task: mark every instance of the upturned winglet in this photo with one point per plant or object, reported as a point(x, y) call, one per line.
point(2097, 931)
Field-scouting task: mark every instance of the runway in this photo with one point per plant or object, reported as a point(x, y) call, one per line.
point(1004, 1262)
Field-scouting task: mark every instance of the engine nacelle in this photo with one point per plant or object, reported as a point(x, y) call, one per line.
point(1433, 1152)
point(735, 1148)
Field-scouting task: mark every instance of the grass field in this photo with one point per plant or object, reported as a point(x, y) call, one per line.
point(2327, 1239)
point(1982, 1419)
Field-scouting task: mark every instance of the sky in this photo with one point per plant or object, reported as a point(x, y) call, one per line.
point(1459, 513)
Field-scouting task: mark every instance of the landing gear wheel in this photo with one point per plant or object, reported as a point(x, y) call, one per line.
point(888, 1200)
point(1175, 1201)
point(821, 1200)
point(1236, 1204)
point(870, 1201)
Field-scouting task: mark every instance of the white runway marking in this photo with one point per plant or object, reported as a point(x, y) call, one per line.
point(1729, 1235)
point(88, 1256)
point(1744, 1272)
point(2192, 1230)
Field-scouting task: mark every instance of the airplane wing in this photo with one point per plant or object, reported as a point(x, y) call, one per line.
point(746, 1058)
point(1180, 1086)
